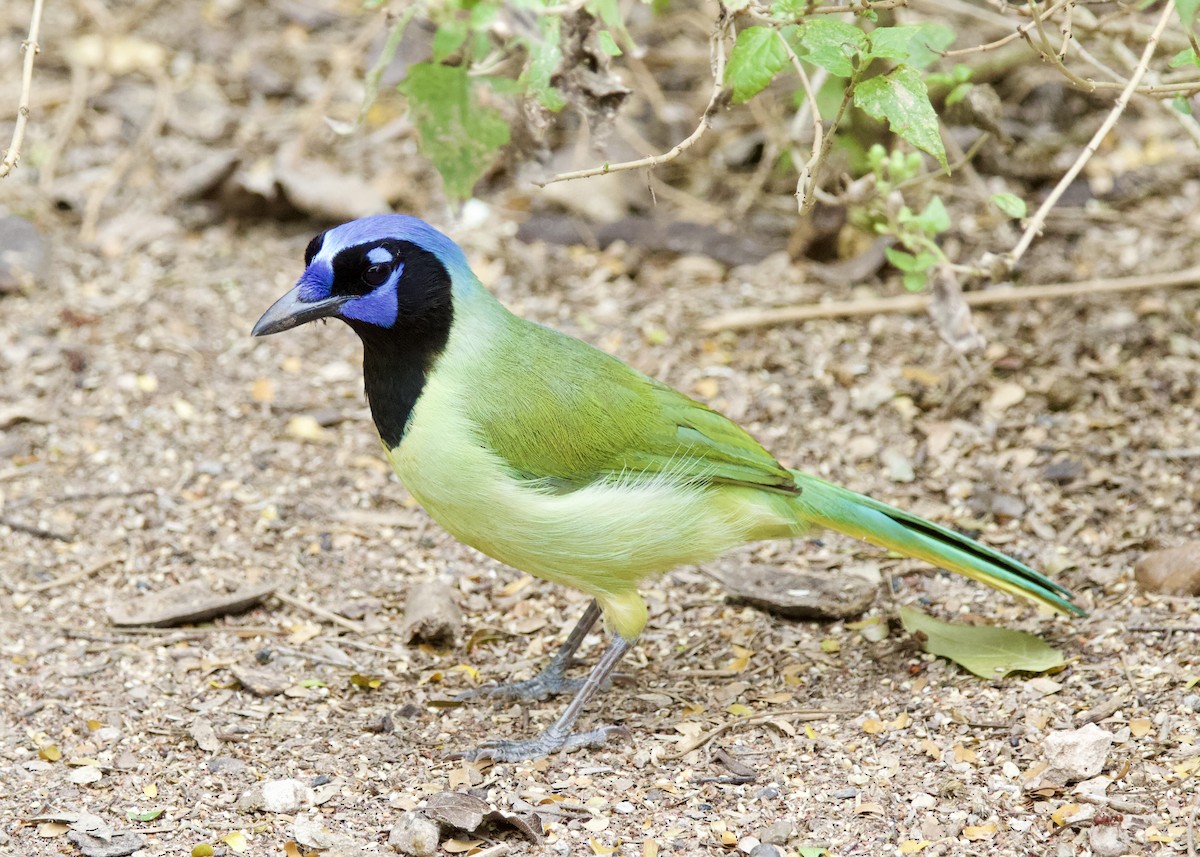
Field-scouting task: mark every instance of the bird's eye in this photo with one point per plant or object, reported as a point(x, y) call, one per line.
point(376, 275)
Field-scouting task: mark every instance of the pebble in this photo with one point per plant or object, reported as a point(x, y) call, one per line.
point(286, 795)
point(415, 835)
point(1171, 572)
point(767, 849)
point(1072, 755)
point(1107, 840)
point(23, 255)
point(777, 833)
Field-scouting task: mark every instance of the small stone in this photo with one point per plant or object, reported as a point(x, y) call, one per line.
point(768, 849)
point(1062, 472)
point(777, 833)
point(747, 844)
point(225, 765)
point(1107, 840)
point(259, 681)
point(1175, 571)
point(1073, 754)
point(311, 832)
point(899, 468)
point(415, 835)
point(1063, 393)
point(23, 254)
point(84, 775)
point(844, 794)
point(923, 800)
point(286, 795)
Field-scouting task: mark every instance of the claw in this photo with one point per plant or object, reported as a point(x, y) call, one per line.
point(499, 750)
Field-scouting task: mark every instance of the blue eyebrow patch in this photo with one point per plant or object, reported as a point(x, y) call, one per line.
point(379, 256)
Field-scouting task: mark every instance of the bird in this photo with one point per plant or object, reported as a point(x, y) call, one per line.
point(562, 461)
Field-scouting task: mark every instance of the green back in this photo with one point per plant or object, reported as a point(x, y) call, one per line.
point(559, 410)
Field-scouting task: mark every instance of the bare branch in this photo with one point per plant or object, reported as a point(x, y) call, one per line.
point(715, 101)
point(30, 49)
point(1034, 227)
point(907, 304)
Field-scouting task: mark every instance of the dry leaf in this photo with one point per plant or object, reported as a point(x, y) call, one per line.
point(978, 832)
point(1140, 727)
point(1060, 815)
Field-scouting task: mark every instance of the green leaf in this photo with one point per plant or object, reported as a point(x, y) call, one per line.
point(1187, 11)
point(448, 38)
point(1185, 57)
point(914, 44)
point(757, 57)
point(986, 651)
point(958, 93)
point(608, 44)
point(148, 815)
point(1010, 204)
point(832, 44)
point(789, 10)
point(900, 260)
point(545, 56)
point(916, 281)
point(458, 134)
point(900, 97)
point(934, 220)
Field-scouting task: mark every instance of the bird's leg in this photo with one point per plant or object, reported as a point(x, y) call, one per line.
point(558, 736)
point(552, 679)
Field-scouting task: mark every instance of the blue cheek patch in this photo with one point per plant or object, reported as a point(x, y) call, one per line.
point(380, 307)
point(315, 283)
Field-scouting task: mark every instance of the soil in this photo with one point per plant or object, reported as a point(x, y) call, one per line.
point(146, 440)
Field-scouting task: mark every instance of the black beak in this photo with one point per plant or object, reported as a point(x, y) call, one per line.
point(290, 311)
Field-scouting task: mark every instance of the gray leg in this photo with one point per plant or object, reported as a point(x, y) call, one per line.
point(552, 679)
point(558, 736)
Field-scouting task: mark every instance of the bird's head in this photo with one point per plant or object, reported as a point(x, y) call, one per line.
point(376, 274)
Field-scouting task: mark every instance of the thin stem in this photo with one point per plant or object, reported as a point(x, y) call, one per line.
point(1034, 227)
point(714, 103)
point(30, 48)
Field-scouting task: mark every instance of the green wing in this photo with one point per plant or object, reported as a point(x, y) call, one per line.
point(558, 410)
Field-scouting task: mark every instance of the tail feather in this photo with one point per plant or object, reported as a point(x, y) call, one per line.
point(857, 515)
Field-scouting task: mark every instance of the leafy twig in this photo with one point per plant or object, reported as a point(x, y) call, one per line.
point(30, 48)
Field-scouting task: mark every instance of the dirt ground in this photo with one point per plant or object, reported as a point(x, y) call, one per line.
point(146, 440)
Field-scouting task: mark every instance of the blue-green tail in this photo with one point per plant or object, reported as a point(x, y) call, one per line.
point(857, 515)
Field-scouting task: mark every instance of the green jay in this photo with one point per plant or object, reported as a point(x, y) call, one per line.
point(561, 461)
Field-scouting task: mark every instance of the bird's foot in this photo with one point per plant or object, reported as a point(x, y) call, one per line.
point(550, 741)
point(544, 684)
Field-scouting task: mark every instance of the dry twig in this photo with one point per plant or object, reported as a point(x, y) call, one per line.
point(801, 714)
point(751, 318)
point(30, 48)
point(1034, 226)
point(321, 612)
point(715, 102)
